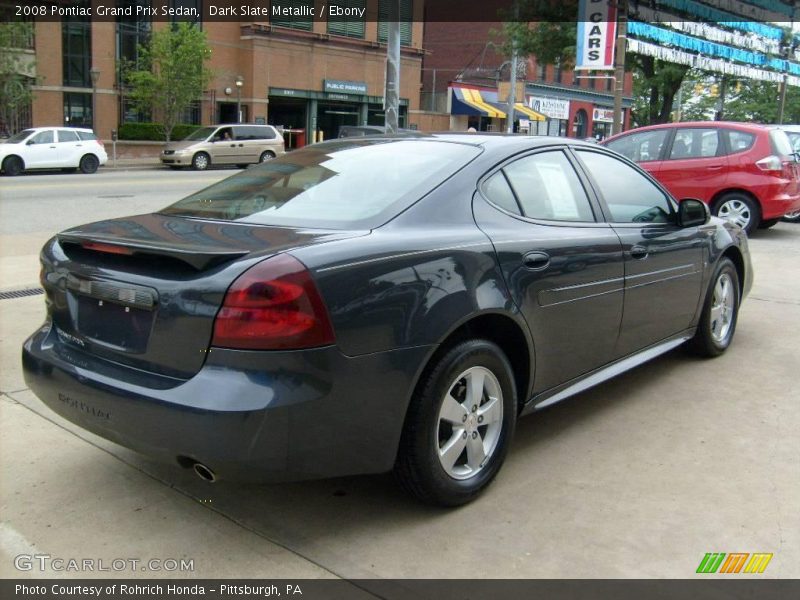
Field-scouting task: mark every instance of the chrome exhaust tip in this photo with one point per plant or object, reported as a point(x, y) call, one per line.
point(204, 473)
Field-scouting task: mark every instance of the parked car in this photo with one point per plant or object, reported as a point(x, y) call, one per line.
point(378, 303)
point(240, 145)
point(793, 132)
point(746, 173)
point(348, 131)
point(65, 148)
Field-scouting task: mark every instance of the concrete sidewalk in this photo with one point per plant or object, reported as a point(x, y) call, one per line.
point(129, 164)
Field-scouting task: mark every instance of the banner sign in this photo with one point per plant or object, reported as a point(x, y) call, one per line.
point(550, 107)
point(603, 115)
point(597, 35)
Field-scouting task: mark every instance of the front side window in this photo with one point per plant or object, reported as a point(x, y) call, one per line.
point(548, 188)
point(337, 185)
point(695, 143)
point(640, 147)
point(630, 196)
point(43, 137)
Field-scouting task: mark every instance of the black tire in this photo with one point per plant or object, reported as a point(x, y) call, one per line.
point(792, 217)
point(767, 223)
point(13, 166)
point(709, 340)
point(418, 466)
point(266, 155)
point(89, 164)
point(739, 208)
point(201, 161)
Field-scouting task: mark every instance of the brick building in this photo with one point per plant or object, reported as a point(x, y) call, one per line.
point(305, 75)
point(466, 56)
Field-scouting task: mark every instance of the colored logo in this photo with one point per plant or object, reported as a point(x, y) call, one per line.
point(735, 562)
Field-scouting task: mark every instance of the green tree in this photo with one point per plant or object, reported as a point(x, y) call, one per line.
point(16, 70)
point(172, 74)
point(655, 85)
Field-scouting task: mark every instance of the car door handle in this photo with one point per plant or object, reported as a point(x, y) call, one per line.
point(638, 252)
point(52, 146)
point(536, 261)
point(233, 145)
point(714, 167)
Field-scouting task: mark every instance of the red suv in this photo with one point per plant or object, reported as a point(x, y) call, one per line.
point(746, 173)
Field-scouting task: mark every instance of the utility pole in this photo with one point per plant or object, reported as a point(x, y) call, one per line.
point(782, 101)
point(723, 86)
point(512, 90)
point(619, 63)
point(391, 99)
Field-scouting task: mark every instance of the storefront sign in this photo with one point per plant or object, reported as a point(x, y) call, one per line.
point(358, 88)
point(603, 115)
point(597, 34)
point(553, 108)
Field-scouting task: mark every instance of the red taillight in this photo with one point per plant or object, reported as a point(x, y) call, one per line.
point(770, 163)
point(274, 305)
point(108, 248)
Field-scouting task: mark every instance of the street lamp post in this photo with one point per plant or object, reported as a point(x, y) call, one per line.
point(94, 73)
point(239, 84)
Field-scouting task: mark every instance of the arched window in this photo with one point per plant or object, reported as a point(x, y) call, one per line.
point(579, 124)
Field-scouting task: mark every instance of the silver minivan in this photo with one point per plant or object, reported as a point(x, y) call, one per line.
point(239, 145)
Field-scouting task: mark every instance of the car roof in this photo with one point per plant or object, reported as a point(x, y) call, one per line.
point(754, 127)
point(56, 127)
point(483, 140)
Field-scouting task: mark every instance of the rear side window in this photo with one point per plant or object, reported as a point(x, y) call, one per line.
point(87, 135)
point(640, 147)
point(630, 196)
point(65, 135)
point(498, 192)
point(547, 187)
point(337, 185)
point(695, 143)
point(253, 132)
point(739, 141)
point(794, 139)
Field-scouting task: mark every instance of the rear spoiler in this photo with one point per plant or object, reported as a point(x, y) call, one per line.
point(198, 257)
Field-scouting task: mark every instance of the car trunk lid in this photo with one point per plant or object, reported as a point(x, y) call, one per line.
point(144, 291)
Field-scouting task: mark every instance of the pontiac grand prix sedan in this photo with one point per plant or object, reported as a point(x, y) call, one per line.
point(378, 303)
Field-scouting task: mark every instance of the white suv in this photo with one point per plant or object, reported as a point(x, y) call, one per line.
point(64, 148)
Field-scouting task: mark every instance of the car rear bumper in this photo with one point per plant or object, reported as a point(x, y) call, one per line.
point(776, 205)
point(247, 415)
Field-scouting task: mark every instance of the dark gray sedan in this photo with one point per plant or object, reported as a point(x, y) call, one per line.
point(373, 304)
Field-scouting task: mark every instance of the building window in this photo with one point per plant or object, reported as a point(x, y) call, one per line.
point(579, 124)
point(299, 6)
point(77, 109)
point(406, 20)
point(557, 72)
point(197, 5)
point(353, 29)
point(541, 71)
point(192, 115)
point(132, 34)
point(76, 37)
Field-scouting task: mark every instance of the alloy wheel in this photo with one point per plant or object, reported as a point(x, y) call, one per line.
point(470, 422)
point(722, 308)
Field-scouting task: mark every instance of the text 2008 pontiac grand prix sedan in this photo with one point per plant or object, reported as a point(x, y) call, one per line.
point(374, 304)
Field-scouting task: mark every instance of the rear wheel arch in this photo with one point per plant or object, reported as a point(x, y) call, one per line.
point(500, 329)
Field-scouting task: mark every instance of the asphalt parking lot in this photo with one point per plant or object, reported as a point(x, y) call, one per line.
point(636, 478)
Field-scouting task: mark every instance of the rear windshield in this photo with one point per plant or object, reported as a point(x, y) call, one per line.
point(337, 185)
point(780, 142)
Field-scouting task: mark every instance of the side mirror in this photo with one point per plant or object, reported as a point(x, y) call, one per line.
point(693, 212)
point(30, 143)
